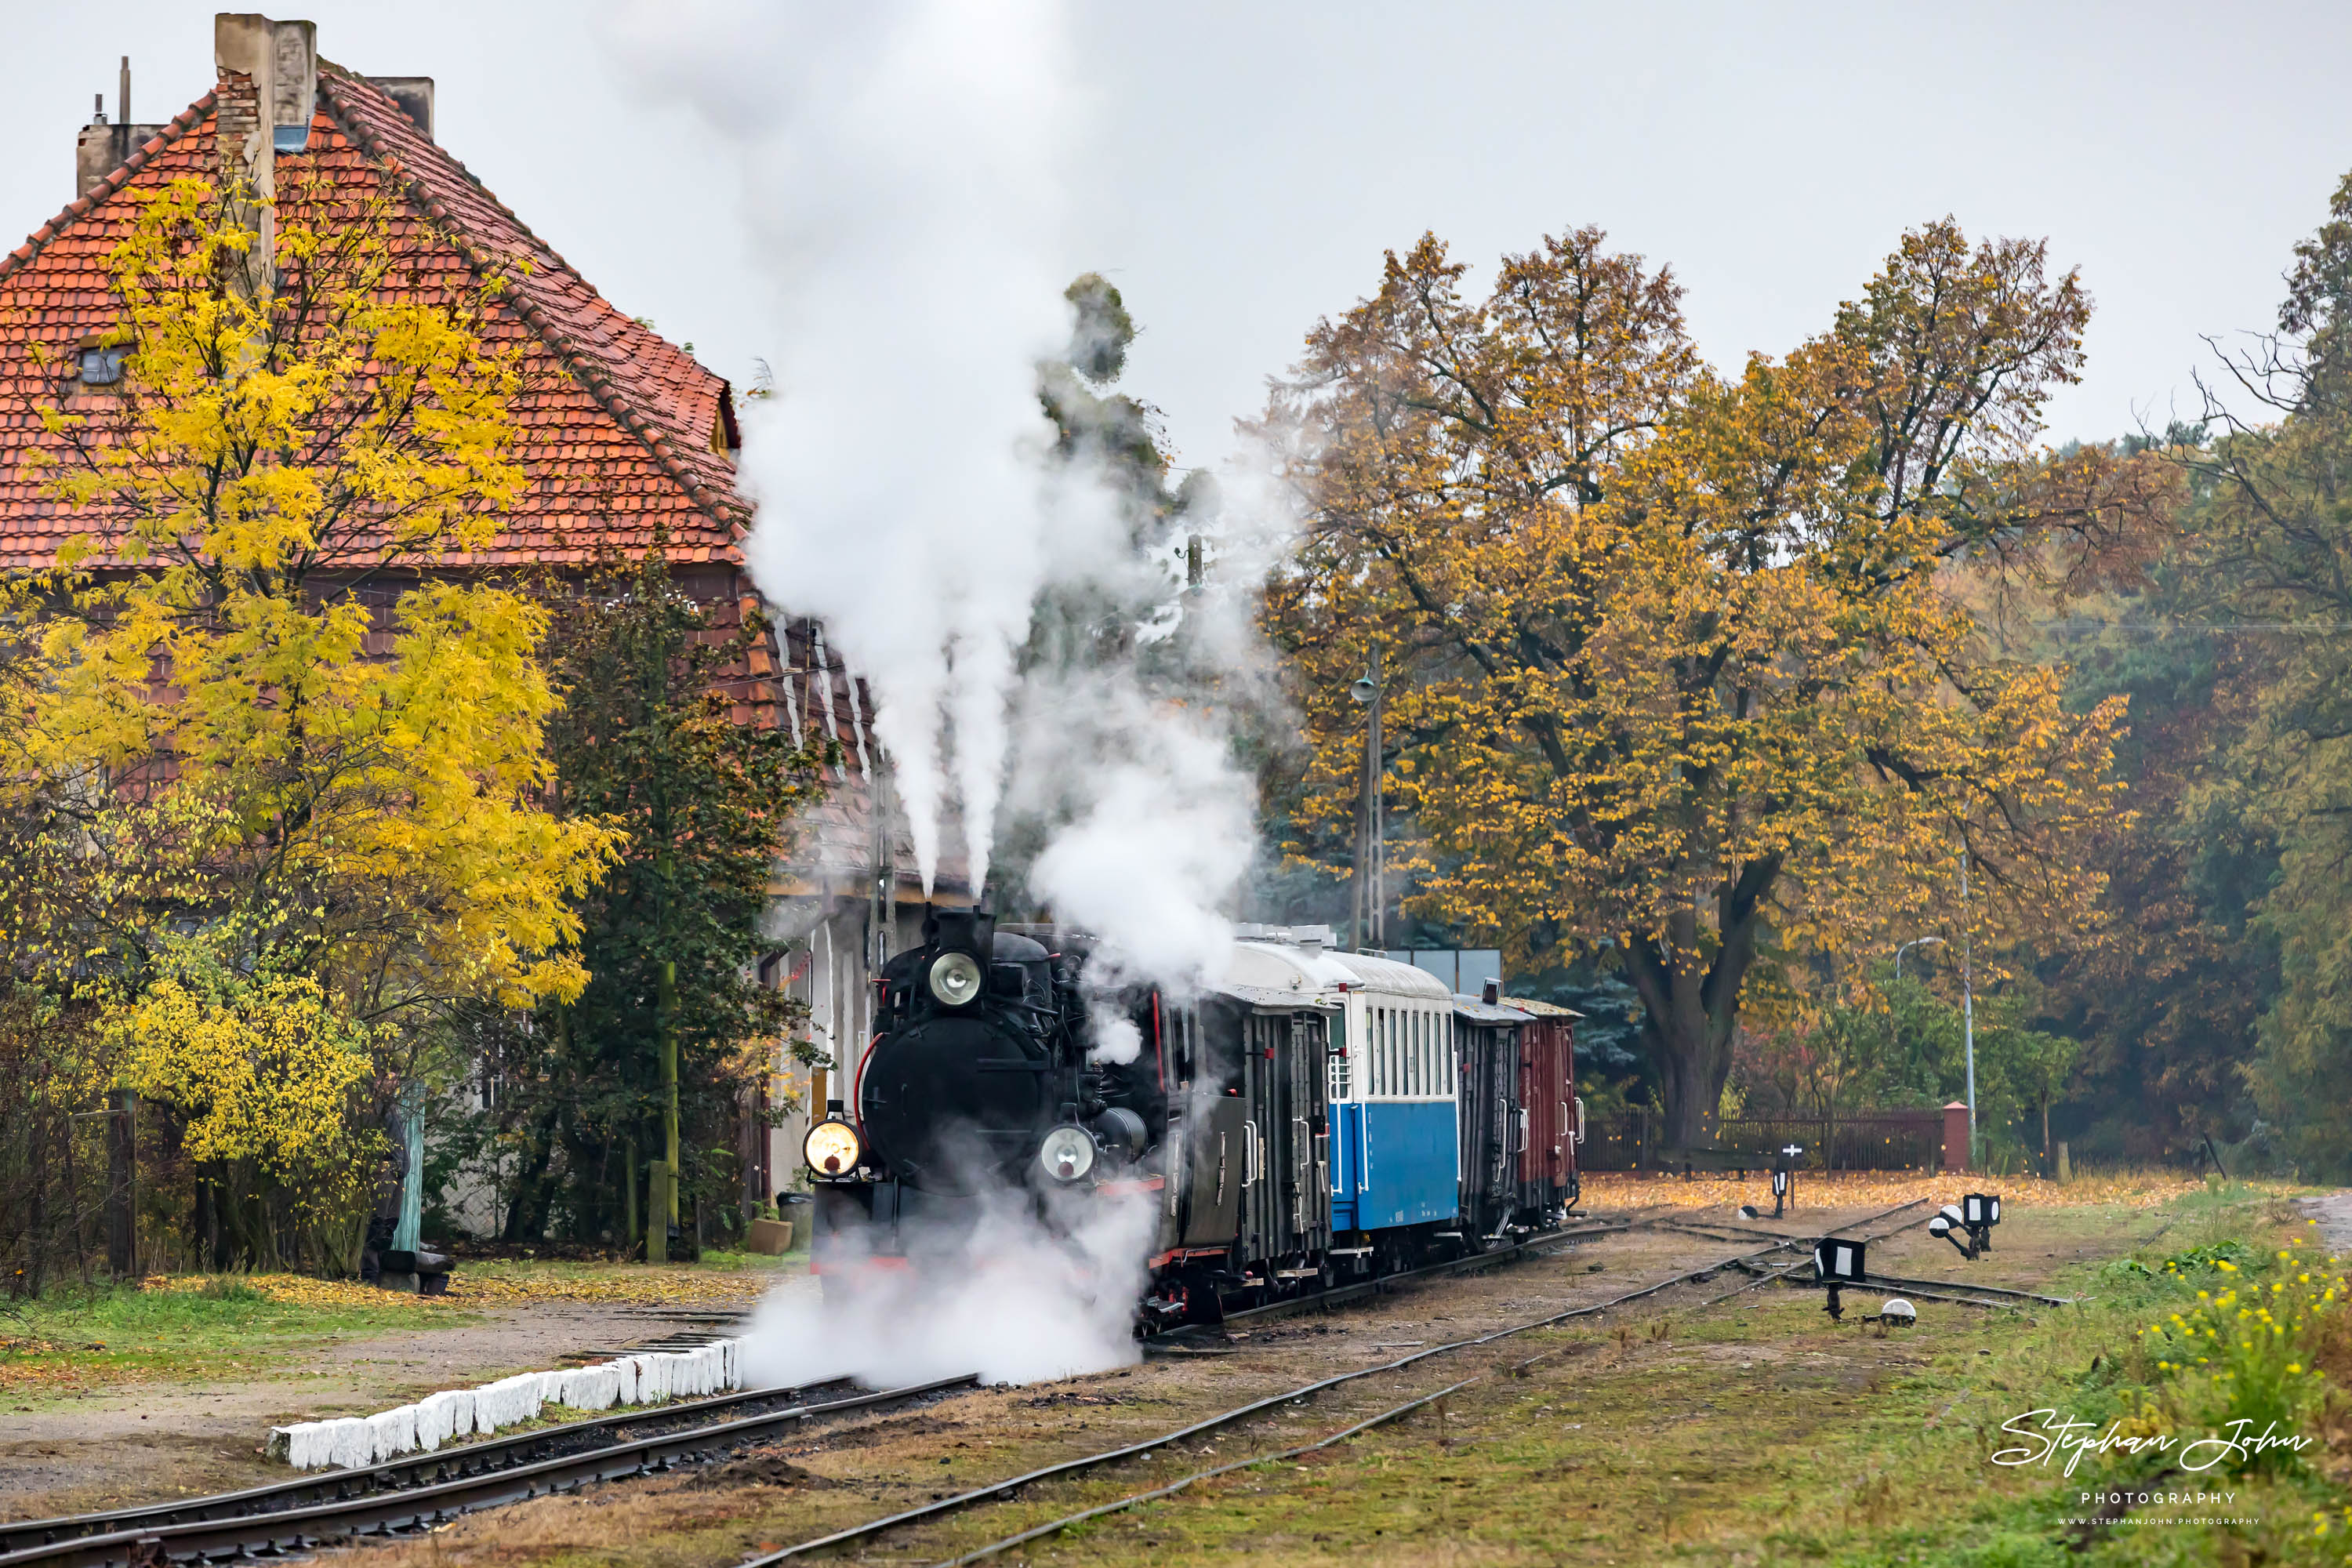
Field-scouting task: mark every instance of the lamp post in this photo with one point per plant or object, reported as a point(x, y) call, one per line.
point(1968, 1004)
point(1915, 942)
point(1372, 854)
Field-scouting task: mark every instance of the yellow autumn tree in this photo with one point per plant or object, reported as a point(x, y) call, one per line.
point(1678, 672)
point(271, 1081)
point(270, 651)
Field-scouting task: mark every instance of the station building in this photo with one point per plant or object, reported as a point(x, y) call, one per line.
point(623, 436)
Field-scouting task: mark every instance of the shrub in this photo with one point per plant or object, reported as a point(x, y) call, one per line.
point(2242, 1359)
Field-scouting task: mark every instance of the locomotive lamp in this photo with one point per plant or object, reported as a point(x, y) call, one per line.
point(955, 979)
point(1838, 1263)
point(1067, 1154)
point(833, 1148)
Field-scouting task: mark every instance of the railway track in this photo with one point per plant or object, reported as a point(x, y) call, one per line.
point(296, 1515)
point(1002, 1490)
point(1535, 1246)
point(421, 1491)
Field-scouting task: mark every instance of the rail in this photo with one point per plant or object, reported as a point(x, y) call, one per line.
point(416, 1506)
point(1004, 1488)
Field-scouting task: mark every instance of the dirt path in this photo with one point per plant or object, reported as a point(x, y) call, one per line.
point(2334, 1213)
point(111, 1446)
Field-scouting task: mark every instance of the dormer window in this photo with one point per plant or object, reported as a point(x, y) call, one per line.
point(101, 365)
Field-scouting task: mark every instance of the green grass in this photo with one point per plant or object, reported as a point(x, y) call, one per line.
point(71, 1338)
point(1758, 1433)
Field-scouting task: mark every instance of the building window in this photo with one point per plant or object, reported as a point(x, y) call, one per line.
point(101, 365)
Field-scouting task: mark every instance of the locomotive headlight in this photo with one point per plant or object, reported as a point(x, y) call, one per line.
point(831, 1148)
point(1067, 1155)
point(955, 978)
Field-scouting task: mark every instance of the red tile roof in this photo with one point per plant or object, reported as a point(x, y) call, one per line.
point(616, 426)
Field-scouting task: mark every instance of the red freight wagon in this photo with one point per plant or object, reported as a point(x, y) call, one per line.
point(1517, 1108)
point(1546, 1097)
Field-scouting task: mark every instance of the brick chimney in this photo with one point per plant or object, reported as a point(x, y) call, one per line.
point(103, 148)
point(267, 86)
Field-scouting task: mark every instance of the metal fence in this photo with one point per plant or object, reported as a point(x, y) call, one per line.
point(1865, 1141)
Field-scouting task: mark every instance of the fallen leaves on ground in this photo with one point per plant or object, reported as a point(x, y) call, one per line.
point(302, 1291)
point(1609, 1190)
point(506, 1284)
point(476, 1285)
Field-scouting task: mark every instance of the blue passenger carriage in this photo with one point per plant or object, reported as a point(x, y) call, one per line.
point(1394, 1152)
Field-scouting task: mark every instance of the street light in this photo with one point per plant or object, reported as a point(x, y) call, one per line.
point(1372, 855)
point(1968, 995)
point(1968, 1003)
point(1915, 942)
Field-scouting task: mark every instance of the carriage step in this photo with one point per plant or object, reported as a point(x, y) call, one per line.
point(1351, 1252)
point(1297, 1273)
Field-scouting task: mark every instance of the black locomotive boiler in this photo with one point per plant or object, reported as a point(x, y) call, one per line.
point(990, 1080)
point(977, 1085)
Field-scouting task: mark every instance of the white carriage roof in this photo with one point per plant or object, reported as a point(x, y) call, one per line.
point(1278, 966)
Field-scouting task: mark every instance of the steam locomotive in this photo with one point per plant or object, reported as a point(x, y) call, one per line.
point(1314, 1117)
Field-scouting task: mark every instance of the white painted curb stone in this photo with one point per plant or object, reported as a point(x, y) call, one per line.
point(356, 1442)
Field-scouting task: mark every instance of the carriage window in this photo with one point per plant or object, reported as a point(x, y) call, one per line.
point(1412, 1045)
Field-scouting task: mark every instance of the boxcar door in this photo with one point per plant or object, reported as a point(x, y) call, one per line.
point(1262, 1229)
point(1306, 1087)
point(1215, 1123)
point(1547, 1089)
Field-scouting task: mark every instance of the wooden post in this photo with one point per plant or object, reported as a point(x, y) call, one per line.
point(659, 1196)
point(123, 1185)
point(668, 998)
point(629, 1194)
point(2065, 1170)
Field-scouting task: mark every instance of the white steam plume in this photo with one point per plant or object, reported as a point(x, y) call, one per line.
point(1020, 1305)
point(904, 167)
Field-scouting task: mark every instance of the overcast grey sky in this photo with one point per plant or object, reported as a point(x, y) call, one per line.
point(1249, 163)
